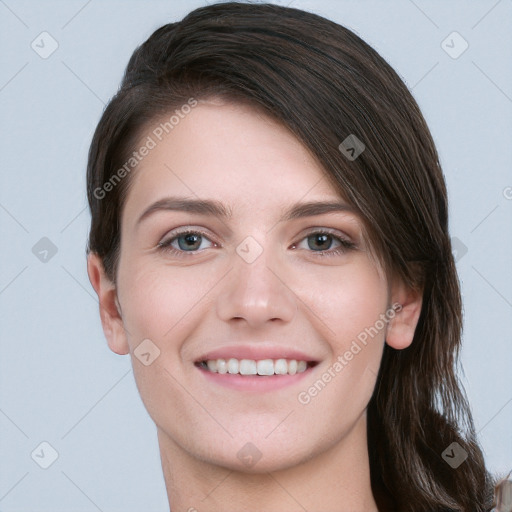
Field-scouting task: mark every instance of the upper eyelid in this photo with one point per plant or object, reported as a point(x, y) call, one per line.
point(169, 236)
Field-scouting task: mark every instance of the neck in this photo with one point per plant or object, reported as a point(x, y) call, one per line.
point(337, 480)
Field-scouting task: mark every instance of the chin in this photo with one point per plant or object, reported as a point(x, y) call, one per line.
point(250, 460)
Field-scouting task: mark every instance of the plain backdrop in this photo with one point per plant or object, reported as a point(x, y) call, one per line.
point(59, 383)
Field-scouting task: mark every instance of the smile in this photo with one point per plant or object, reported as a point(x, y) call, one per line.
point(254, 375)
point(263, 367)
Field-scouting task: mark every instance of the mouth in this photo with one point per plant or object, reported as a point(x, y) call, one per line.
point(254, 375)
point(258, 368)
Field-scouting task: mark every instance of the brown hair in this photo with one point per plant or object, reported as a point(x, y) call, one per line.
point(324, 83)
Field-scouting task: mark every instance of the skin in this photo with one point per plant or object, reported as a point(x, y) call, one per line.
point(313, 456)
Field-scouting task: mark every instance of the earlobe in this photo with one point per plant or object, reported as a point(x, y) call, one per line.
point(402, 325)
point(110, 309)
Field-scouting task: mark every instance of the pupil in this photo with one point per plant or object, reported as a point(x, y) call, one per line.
point(190, 240)
point(321, 239)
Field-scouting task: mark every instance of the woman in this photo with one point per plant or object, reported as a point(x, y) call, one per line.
point(269, 241)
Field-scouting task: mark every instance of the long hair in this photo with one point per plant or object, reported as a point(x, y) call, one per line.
point(325, 84)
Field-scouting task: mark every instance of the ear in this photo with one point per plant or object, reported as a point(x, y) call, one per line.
point(401, 327)
point(110, 310)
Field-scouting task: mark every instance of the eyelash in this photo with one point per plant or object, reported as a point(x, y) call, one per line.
point(345, 245)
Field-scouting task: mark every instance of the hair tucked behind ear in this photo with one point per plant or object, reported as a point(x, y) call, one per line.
point(324, 83)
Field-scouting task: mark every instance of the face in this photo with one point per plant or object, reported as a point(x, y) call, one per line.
point(253, 275)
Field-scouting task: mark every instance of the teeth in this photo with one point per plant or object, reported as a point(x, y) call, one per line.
point(222, 366)
point(232, 366)
point(247, 367)
point(265, 367)
point(261, 367)
point(281, 367)
point(301, 366)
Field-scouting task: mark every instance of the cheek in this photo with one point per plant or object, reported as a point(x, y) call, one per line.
point(353, 305)
point(164, 305)
point(347, 299)
point(160, 302)
point(348, 302)
point(345, 383)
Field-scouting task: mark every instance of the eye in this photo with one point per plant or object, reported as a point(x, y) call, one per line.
point(322, 242)
point(185, 241)
point(325, 243)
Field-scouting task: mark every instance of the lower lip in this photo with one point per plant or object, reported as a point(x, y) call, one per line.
point(255, 383)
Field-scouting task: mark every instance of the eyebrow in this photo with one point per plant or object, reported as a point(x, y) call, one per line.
point(217, 209)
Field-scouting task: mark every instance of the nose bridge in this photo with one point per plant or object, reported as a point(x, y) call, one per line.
point(255, 289)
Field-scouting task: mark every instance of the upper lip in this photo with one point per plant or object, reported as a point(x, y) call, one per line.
point(256, 353)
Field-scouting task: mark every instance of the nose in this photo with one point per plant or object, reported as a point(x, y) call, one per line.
point(256, 293)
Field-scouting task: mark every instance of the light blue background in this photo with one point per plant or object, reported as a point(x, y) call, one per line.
point(59, 382)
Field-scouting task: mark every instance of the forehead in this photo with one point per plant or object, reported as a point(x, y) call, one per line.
point(229, 152)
